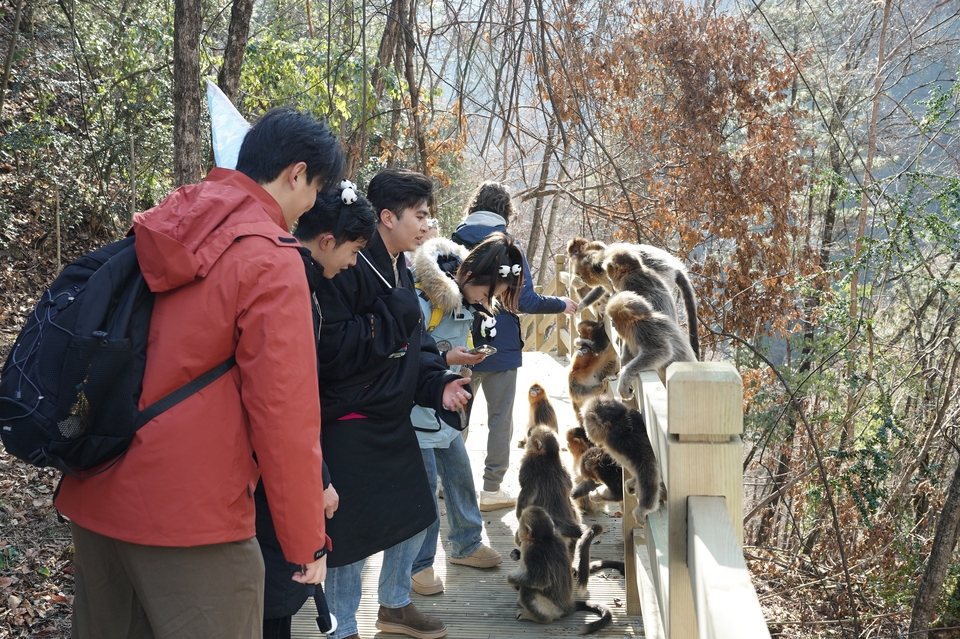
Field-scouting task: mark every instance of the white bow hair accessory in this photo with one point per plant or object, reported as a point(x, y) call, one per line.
point(348, 192)
point(506, 269)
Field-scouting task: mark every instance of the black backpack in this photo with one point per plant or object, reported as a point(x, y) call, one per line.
point(70, 386)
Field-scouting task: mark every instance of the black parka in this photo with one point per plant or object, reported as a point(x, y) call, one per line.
point(375, 361)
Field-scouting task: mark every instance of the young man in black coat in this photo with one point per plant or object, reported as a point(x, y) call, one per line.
point(376, 362)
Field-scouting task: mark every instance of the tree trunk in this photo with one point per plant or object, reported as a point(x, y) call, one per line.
point(414, 87)
point(8, 63)
point(853, 396)
point(385, 56)
point(229, 77)
point(944, 540)
point(186, 92)
point(538, 203)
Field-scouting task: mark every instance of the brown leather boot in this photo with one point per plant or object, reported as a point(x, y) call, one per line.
point(411, 622)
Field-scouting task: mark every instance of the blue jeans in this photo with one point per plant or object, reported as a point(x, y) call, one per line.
point(344, 585)
point(463, 513)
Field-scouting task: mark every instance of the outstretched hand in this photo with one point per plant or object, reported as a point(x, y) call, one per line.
point(454, 395)
point(571, 306)
point(460, 355)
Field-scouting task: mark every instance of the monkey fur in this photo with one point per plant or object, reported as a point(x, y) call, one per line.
point(594, 362)
point(655, 341)
point(601, 477)
point(615, 267)
point(544, 579)
point(622, 432)
point(545, 482)
point(578, 444)
point(542, 412)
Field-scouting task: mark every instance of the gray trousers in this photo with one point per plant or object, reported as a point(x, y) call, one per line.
point(499, 389)
point(129, 591)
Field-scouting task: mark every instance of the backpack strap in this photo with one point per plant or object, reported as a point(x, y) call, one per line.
point(436, 313)
point(185, 391)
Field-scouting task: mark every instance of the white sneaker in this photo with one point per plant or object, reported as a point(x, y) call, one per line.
point(439, 489)
point(496, 500)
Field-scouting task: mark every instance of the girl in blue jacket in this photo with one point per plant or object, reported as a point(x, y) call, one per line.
point(450, 282)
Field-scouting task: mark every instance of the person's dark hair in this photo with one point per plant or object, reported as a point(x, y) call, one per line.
point(494, 197)
point(484, 264)
point(347, 222)
point(399, 189)
point(285, 136)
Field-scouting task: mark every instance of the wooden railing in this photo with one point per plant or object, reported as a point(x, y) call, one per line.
point(685, 569)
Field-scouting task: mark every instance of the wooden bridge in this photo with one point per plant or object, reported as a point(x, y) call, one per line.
point(686, 577)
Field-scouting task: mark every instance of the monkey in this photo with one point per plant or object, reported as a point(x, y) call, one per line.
point(594, 362)
point(622, 432)
point(578, 444)
point(544, 579)
point(545, 482)
point(591, 262)
point(647, 271)
point(542, 412)
point(601, 477)
point(655, 341)
point(586, 260)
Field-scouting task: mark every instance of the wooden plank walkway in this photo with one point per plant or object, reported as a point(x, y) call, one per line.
point(479, 604)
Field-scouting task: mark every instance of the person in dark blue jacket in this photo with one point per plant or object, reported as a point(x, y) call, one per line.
point(489, 211)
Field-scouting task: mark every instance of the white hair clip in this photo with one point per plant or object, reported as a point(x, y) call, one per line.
point(348, 192)
point(506, 269)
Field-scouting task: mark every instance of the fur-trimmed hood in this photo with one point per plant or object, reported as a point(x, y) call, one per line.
point(442, 291)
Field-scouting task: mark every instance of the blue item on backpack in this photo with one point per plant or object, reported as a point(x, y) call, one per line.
point(70, 387)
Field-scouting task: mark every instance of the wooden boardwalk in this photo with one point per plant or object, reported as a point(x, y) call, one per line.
point(479, 604)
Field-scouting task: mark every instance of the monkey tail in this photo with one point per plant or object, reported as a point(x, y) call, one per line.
point(600, 564)
point(690, 304)
point(606, 617)
point(583, 547)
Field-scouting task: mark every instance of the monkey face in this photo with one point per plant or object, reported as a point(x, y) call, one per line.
point(619, 265)
point(535, 391)
point(586, 258)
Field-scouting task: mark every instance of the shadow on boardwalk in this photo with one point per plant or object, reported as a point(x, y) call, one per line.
point(479, 604)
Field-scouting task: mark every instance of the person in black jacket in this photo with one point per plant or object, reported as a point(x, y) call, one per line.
point(332, 233)
point(376, 362)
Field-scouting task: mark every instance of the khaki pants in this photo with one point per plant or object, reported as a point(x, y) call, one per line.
point(129, 591)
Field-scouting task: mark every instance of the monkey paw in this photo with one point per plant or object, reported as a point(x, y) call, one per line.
point(515, 554)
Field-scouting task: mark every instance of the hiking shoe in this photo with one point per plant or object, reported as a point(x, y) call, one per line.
point(496, 500)
point(482, 557)
point(426, 583)
point(411, 622)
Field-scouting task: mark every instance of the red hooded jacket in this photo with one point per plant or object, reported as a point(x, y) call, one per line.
point(228, 279)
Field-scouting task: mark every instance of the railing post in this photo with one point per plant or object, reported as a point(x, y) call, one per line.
point(703, 457)
point(562, 346)
point(537, 333)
